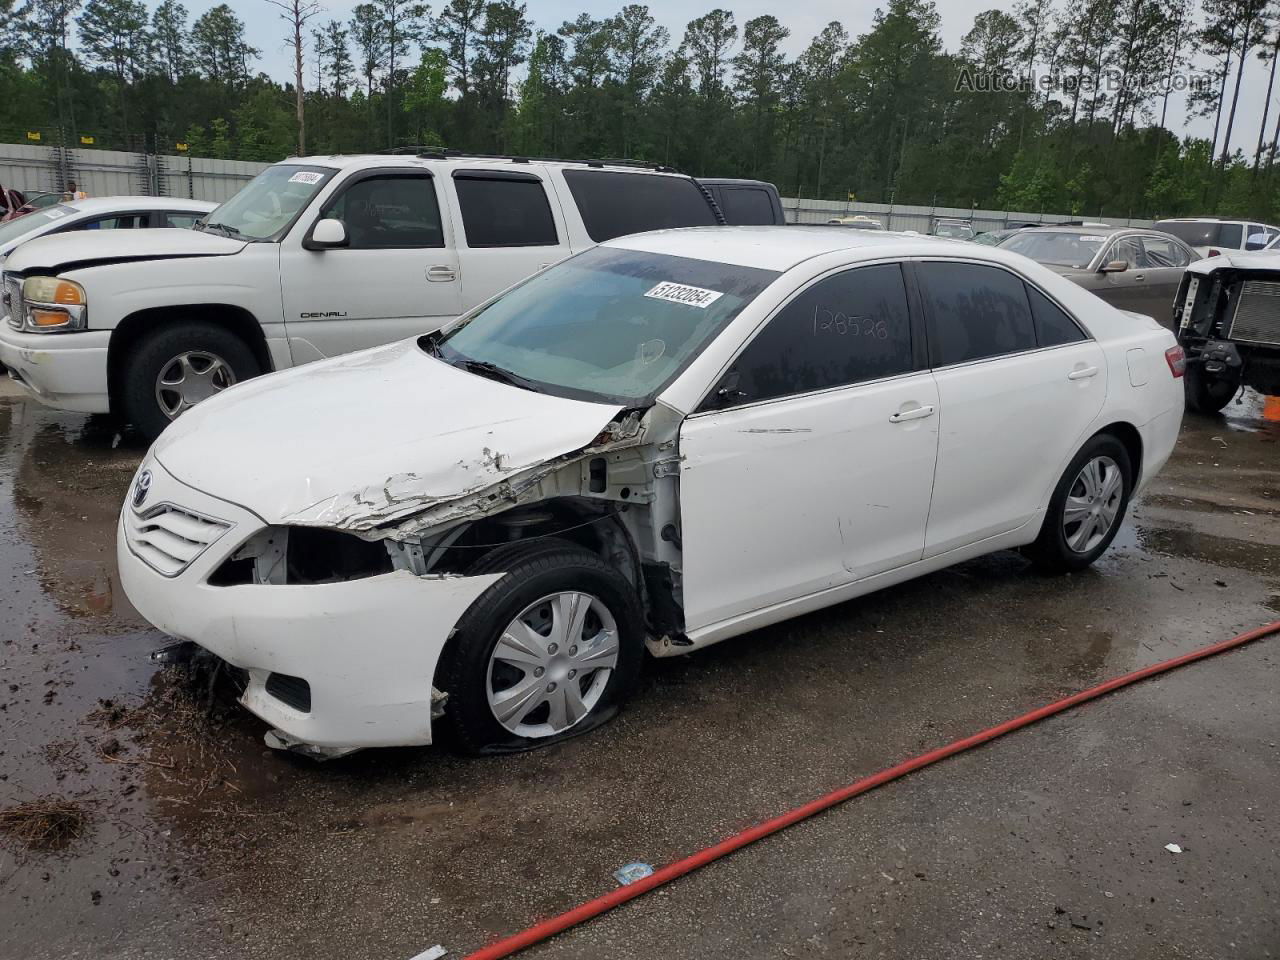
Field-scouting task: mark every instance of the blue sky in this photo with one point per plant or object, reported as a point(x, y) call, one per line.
point(804, 18)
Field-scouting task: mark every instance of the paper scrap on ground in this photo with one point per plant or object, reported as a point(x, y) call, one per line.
point(1173, 848)
point(631, 873)
point(434, 953)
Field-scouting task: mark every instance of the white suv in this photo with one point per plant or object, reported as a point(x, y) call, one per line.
point(1210, 236)
point(317, 256)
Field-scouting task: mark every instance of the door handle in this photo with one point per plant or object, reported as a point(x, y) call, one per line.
point(441, 274)
point(915, 413)
point(1139, 277)
point(1082, 373)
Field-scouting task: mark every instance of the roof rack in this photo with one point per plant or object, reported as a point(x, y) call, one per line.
point(436, 152)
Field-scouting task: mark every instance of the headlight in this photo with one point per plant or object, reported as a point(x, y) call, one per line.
point(53, 305)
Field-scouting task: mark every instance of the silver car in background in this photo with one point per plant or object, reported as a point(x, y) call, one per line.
point(1131, 269)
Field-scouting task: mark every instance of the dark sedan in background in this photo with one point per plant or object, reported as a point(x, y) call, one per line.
point(1130, 268)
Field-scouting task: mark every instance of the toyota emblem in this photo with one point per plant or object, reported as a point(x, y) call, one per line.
point(141, 488)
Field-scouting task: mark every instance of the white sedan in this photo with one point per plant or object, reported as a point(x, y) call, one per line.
point(102, 213)
point(658, 444)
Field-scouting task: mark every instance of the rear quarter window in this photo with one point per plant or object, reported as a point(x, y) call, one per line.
point(614, 204)
point(747, 206)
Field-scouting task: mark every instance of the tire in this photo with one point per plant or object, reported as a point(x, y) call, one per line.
point(1066, 545)
point(1208, 395)
point(473, 673)
point(159, 352)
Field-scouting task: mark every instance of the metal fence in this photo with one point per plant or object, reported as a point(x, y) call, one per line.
point(105, 173)
point(921, 219)
point(100, 173)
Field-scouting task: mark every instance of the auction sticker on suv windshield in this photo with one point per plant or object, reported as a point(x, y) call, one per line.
point(306, 176)
point(680, 293)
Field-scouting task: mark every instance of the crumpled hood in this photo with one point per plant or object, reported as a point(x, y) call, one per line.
point(361, 440)
point(89, 247)
point(1262, 260)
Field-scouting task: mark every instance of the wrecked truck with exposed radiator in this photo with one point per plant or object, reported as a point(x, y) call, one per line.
point(1227, 314)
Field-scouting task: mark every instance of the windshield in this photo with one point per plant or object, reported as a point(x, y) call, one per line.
point(1057, 249)
point(959, 230)
point(269, 203)
point(991, 239)
point(32, 222)
point(1203, 233)
point(609, 324)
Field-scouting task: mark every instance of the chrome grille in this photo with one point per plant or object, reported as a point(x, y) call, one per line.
point(1257, 314)
point(12, 308)
point(169, 539)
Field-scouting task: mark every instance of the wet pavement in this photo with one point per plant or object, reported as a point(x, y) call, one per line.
point(200, 843)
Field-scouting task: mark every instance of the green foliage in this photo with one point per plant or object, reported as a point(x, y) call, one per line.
point(882, 114)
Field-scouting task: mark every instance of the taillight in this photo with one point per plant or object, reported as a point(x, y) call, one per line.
point(1177, 361)
point(1215, 253)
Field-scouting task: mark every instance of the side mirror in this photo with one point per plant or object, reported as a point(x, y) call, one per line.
point(1114, 266)
point(325, 234)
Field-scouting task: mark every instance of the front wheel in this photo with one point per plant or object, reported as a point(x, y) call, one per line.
point(178, 366)
point(1086, 508)
point(550, 650)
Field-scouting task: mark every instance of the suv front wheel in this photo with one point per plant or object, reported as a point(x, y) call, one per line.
point(173, 369)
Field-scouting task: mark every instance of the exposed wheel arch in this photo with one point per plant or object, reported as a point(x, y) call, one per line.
point(1128, 435)
point(137, 325)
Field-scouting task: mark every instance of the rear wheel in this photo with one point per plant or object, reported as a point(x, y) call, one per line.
point(550, 650)
point(1206, 394)
point(1086, 509)
point(178, 366)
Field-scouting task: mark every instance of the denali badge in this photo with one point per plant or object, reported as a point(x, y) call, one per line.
point(322, 314)
point(141, 487)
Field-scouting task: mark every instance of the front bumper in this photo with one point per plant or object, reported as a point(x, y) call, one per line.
point(68, 370)
point(368, 648)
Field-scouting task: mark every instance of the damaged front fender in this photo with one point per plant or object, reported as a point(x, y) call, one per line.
point(406, 504)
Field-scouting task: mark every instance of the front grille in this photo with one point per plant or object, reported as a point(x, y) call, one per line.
point(168, 538)
point(291, 691)
point(1257, 314)
point(12, 308)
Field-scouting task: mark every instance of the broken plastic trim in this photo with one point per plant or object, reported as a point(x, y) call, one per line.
point(279, 740)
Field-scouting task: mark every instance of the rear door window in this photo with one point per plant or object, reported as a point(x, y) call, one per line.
point(975, 312)
point(614, 204)
point(842, 330)
point(504, 210)
point(747, 206)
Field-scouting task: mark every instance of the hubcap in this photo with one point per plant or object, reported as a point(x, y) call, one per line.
point(1093, 504)
point(551, 664)
point(189, 378)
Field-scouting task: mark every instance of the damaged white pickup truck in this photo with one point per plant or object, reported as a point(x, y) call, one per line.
point(660, 443)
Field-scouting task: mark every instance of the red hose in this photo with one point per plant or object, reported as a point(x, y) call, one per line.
point(593, 908)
